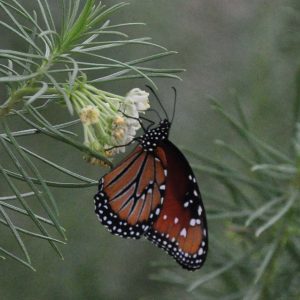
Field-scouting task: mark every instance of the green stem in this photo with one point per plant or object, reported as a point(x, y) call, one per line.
point(17, 96)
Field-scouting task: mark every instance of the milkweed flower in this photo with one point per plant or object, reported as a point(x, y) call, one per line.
point(109, 121)
point(89, 115)
point(139, 98)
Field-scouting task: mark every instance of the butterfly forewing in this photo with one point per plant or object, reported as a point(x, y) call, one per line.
point(131, 195)
point(181, 227)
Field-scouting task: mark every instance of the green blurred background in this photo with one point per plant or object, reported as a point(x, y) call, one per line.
point(249, 47)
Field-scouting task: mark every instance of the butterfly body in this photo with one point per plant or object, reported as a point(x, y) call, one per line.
point(153, 193)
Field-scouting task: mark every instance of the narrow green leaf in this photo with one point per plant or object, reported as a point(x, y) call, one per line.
point(35, 131)
point(281, 212)
point(237, 177)
point(57, 184)
point(27, 208)
point(25, 212)
point(212, 275)
point(76, 26)
point(62, 92)
point(264, 264)
point(20, 12)
point(48, 11)
point(259, 212)
point(32, 17)
point(58, 167)
point(124, 25)
point(75, 71)
point(111, 44)
point(39, 93)
point(13, 229)
point(105, 14)
point(33, 234)
point(122, 64)
point(280, 171)
point(22, 33)
point(111, 32)
point(18, 78)
point(228, 215)
point(73, 12)
point(16, 258)
point(238, 155)
point(113, 77)
point(264, 149)
point(30, 183)
point(35, 170)
point(16, 54)
point(14, 197)
point(44, 15)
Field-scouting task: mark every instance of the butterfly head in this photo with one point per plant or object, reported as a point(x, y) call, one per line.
point(153, 137)
point(164, 125)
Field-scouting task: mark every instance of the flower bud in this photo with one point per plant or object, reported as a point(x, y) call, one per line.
point(119, 121)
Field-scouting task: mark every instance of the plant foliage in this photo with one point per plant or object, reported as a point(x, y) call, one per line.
point(258, 215)
point(55, 54)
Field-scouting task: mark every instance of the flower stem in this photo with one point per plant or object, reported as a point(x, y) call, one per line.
point(18, 95)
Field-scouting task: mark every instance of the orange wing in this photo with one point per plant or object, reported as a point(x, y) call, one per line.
point(131, 195)
point(181, 227)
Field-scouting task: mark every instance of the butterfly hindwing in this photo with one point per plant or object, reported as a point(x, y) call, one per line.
point(131, 195)
point(181, 228)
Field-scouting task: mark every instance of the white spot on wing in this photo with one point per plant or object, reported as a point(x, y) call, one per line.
point(176, 220)
point(192, 222)
point(199, 210)
point(183, 232)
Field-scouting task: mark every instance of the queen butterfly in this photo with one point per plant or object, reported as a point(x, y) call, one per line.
point(153, 192)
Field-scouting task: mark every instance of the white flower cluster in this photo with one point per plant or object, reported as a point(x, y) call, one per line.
point(109, 121)
point(135, 102)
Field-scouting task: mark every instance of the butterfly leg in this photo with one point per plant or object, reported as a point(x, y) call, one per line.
point(137, 119)
point(119, 146)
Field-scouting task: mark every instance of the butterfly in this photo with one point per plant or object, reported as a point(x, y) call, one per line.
point(153, 193)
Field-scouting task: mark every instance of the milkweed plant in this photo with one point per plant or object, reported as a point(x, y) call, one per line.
point(56, 68)
point(254, 230)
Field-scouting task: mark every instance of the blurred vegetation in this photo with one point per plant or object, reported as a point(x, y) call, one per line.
point(246, 55)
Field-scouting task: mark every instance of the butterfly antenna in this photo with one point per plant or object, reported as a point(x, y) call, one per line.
point(175, 101)
point(158, 100)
